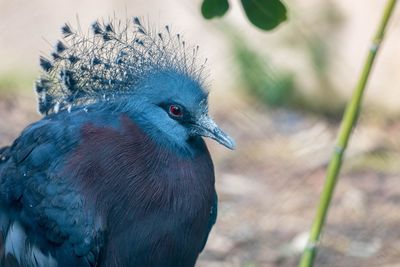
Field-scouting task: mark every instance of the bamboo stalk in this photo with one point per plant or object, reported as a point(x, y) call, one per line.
point(348, 123)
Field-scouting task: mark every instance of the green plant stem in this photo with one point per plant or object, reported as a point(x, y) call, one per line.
point(348, 123)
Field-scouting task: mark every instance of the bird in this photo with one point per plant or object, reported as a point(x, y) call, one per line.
point(116, 172)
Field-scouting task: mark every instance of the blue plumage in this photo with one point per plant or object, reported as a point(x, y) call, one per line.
point(117, 172)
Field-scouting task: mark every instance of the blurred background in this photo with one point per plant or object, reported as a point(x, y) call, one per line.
point(281, 94)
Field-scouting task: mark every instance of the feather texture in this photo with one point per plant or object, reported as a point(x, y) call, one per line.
point(109, 62)
point(80, 193)
point(110, 176)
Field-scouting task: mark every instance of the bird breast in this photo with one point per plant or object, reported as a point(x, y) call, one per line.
point(145, 194)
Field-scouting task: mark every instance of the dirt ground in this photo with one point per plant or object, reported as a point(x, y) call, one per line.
point(268, 187)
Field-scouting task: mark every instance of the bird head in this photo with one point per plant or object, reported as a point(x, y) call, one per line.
point(154, 74)
point(178, 106)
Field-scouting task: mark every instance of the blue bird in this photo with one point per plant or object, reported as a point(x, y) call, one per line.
point(116, 173)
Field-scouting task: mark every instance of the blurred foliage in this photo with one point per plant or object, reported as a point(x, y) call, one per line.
point(275, 85)
point(265, 82)
point(12, 80)
point(264, 14)
point(381, 159)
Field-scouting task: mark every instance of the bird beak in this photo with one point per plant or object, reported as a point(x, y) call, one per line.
point(206, 127)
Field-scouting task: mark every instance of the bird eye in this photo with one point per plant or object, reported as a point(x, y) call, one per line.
point(175, 111)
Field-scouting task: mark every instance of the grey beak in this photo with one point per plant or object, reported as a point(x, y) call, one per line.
point(206, 127)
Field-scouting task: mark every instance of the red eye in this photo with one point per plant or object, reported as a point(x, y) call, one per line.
point(175, 111)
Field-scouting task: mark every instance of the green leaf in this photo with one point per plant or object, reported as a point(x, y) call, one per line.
point(214, 8)
point(265, 14)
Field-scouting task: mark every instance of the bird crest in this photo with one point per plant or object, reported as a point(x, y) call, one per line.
point(109, 62)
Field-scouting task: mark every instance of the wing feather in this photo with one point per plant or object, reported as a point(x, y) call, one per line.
point(43, 218)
